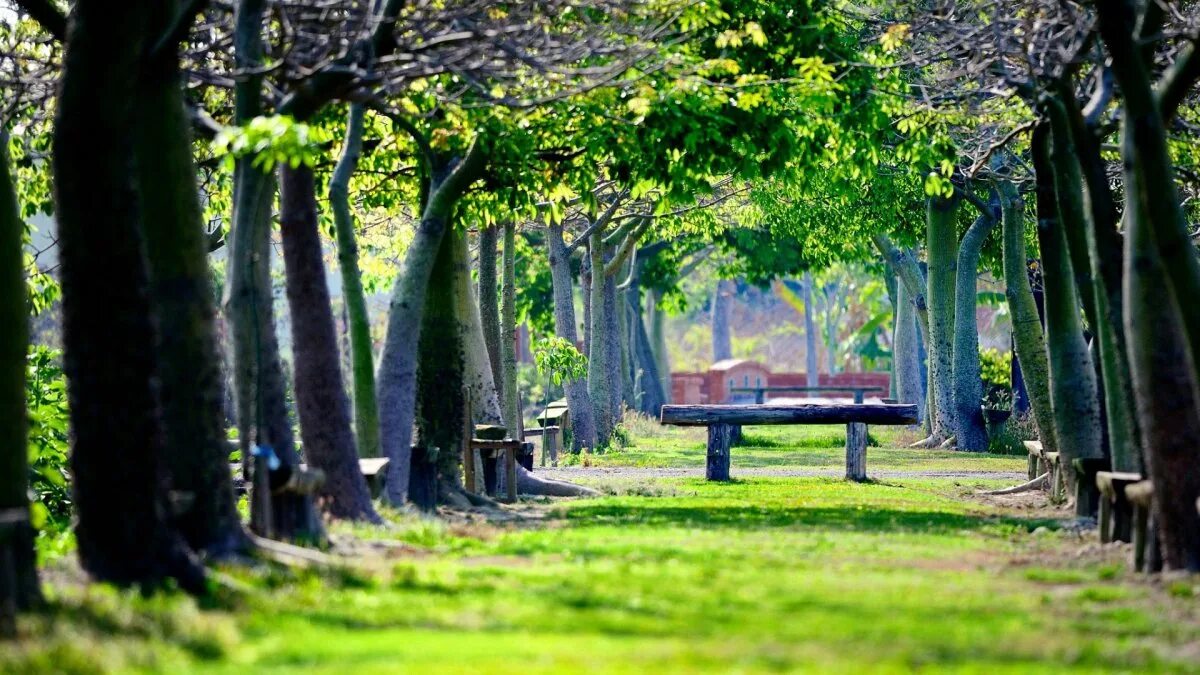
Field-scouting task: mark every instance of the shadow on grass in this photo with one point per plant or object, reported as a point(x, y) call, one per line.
point(855, 517)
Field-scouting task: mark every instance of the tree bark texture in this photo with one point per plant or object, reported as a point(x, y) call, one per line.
point(611, 338)
point(18, 557)
point(119, 483)
point(191, 382)
point(440, 391)
point(906, 352)
point(599, 382)
point(321, 401)
point(645, 365)
point(856, 452)
point(722, 341)
point(1028, 339)
point(968, 387)
point(489, 293)
point(1075, 399)
point(362, 361)
point(578, 400)
point(913, 280)
point(942, 245)
point(482, 393)
point(656, 320)
point(510, 397)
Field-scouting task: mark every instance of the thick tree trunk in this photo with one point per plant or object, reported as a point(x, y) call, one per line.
point(578, 401)
point(321, 400)
point(906, 352)
point(598, 370)
point(362, 362)
point(121, 525)
point(722, 342)
point(18, 558)
point(968, 387)
point(1027, 325)
point(482, 393)
point(191, 381)
point(259, 384)
point(440, 390)
point(1074, 397)
point(489, 288)
point(510, 397)
point(811, 358)
point(942, 243)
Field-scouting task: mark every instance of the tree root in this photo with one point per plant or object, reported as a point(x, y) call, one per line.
point(529, 484)
point(290, 554)
point(949, 443)
point(1038, 483)
point(450, 493)
point(928, 442)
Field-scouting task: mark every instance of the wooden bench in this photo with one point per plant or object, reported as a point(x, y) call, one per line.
point(1116, 511)
point(550, 436)
point(720, 420)
point(760, 393)
point(1041, 462)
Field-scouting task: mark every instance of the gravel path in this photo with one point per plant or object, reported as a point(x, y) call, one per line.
point(569, 473)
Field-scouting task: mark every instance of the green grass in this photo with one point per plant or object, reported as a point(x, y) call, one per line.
point(673, 575)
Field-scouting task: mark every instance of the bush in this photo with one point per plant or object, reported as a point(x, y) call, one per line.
point(995, 367)
point(49, 429)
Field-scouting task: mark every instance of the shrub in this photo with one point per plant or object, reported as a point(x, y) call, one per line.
point(49, 429)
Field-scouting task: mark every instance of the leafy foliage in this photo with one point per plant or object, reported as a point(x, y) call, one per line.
point(49, 433)
point(559, 360)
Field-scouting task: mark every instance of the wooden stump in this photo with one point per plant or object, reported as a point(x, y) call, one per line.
point(422, 479)
point(719, 437)
point(856, 452)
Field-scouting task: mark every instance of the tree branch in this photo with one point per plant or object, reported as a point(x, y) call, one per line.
point(46, 14)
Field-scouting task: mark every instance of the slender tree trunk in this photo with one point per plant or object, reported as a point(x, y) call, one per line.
point(511, 398)
point(18, 557)
point(121, 524)
point(906, 352)
point(656, 318)
point(362, 362)
point(599, 376)
point(722, 343)
point(578, 402)
point(1074, 399)
point(259, 383)
point(942, 242)
point(321, 400)
point(1027, 325)
point(585, 286)
point(651, 398)
point(811, 358)
point(482, 393)
point(190, 375)
point(968, 387)
point(612, 344)
point(489, 308)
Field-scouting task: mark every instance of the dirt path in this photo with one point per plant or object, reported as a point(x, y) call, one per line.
point(571, 473)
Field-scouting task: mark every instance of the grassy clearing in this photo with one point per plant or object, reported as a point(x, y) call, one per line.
point(672, 575)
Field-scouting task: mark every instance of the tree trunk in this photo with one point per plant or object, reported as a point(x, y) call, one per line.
point(650, 397)
point(362, 362)
point(190, 377)
point(578, 403)
point(612, 344)
point(482, 393)
point(656, 318)
point(18, 557)
point(722, 343)
point(907, 352)
point(121, 525)
point(489, 308)
point(942, 242)
point(599, 383)
point(321, 401)
point(913, 279)
point(510, 397)
point(1027, 325)
point(1075, 399)
point(259, 385)
point(968, 387)
point(440, 390)
point(811, 358)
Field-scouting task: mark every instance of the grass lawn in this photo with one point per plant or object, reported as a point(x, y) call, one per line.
point(670, 575)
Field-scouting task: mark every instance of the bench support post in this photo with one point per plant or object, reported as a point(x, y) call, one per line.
point(856, 452)
point(719, 437)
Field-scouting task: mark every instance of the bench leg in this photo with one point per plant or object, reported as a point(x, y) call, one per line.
point(856, 452)
point(1033, 466)
point(510, 474)
point(1105, 524)
point(1141, 518)
point(719, 437)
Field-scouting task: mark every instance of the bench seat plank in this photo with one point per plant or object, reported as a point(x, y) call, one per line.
point(867, 413)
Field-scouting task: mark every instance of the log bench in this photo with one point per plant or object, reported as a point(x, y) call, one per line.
point(721, 419)
point(1116, 511)
point(1041, 462)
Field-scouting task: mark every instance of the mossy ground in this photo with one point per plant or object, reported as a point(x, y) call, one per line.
point(670, 575)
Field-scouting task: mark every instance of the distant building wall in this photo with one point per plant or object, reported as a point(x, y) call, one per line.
point(713, 386)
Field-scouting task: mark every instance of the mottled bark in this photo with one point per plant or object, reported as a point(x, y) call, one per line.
point(121, 526)
point(440, 391)
point(599, 383)
point(968, 387)
point(1028, 339)
point(191, 382)
point(1075, 399)
point(578, 401)
point(489, 288)
point(611, 338)
point(321, 401)
point(510, 397)
point(18, 558)
point(942, 244)
point(362, 362)
point(482, 392)
point(906, 351)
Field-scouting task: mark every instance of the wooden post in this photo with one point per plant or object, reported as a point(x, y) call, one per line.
point(718, 452)
point(856, 452)
point(510, 473)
